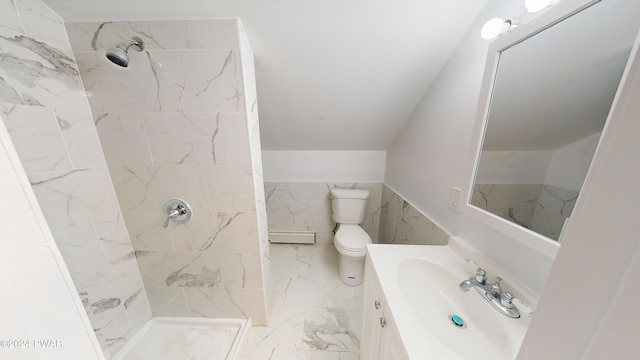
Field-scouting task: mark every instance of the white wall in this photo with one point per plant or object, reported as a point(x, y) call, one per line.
point(588, 309)
point(565, 167)
point(324, 166)
point(569, 164)
point(431, 154)
point(513, 167)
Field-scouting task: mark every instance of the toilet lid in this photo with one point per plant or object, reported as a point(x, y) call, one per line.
point(352, 237)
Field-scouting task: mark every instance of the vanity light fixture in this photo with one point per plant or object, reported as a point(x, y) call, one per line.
point(537, 5)
point(496, 27)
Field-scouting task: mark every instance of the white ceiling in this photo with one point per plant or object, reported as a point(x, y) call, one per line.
point(332, 75)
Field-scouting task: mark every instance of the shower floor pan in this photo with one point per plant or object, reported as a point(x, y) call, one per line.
point(171, 338)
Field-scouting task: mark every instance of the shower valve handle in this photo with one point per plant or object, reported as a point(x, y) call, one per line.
point(178, 211)
point(175, 212)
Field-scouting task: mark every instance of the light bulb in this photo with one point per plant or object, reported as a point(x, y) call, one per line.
point(493, 28)
point(537, 5)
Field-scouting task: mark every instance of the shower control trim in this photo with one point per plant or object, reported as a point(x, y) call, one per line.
point(178, 211)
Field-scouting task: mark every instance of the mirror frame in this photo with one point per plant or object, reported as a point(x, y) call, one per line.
point(541, 22)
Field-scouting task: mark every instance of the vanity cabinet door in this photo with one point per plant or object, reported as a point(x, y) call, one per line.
point(380, 336)
point(372, 311)
point(391, 346)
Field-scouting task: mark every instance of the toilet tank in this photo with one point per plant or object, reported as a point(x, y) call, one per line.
point(347, 205)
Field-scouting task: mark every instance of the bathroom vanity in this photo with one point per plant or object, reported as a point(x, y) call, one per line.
point(380, 336)
point(413, 307)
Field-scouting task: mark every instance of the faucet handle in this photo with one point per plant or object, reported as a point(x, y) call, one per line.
point(506, 299)
point(481, 275)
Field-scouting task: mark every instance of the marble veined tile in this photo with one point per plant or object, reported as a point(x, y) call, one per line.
point(316, 262)
point(157, 35)
point(227, 302)
point(111, 328)
point(217, 231)
point(308, 329)
point(42, 23)
point(167, 301)
point(113, 236)
point(35, 73)
point(80, 137)
point(307, 276)
point(298, 207)
point(123, 138)
point(115, 282)
point(285, 330)
point(74, 197)
point(235, 137)
point(111, 290)
point(230, 189)
point(146, 231)
point(401, 223)
point(147, 188)
point(267, 279)
point(197, 138)
point(240, 269)
point(183, 269)
point(184, 138)
point(138, 309)
point(249, 72)
point(287, 354)
point(9, 18)
point(80, 248)
point(332, 329)
point(514, 202)
point(555, 204)
point(164, 81)
point(29, 125)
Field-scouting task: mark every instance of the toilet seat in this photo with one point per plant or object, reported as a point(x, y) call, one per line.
point(352, 240)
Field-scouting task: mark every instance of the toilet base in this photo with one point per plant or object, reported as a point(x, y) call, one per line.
point(351, 269)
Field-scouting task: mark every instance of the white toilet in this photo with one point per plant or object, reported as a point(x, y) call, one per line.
point(350, 240)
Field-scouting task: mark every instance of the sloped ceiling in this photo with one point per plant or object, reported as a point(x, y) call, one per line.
point(332, 75)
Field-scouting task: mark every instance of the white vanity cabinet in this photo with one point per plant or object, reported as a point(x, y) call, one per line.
point(380, 336)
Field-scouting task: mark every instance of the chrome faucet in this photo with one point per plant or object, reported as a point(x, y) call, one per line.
point(501, 301)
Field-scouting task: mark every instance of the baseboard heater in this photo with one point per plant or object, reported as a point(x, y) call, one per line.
point(292, 237)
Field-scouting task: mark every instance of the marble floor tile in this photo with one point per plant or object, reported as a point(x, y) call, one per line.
point(315, 315)
point(278, 354)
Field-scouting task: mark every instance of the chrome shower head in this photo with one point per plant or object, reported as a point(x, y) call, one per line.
point(119, 54)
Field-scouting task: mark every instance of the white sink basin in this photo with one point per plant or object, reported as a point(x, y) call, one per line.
point(420, 284)
point(432, 293)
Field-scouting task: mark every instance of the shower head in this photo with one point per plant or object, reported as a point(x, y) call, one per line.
point(119, 54)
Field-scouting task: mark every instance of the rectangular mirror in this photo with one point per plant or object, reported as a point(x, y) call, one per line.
point(551, 96)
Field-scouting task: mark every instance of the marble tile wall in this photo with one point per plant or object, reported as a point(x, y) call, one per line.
point(255, 147)
point(554, 205)
point(44, 107)
point(541, 208)
point(295, 206)
point(177, 124)
point(514, 202)
point(401, 223)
